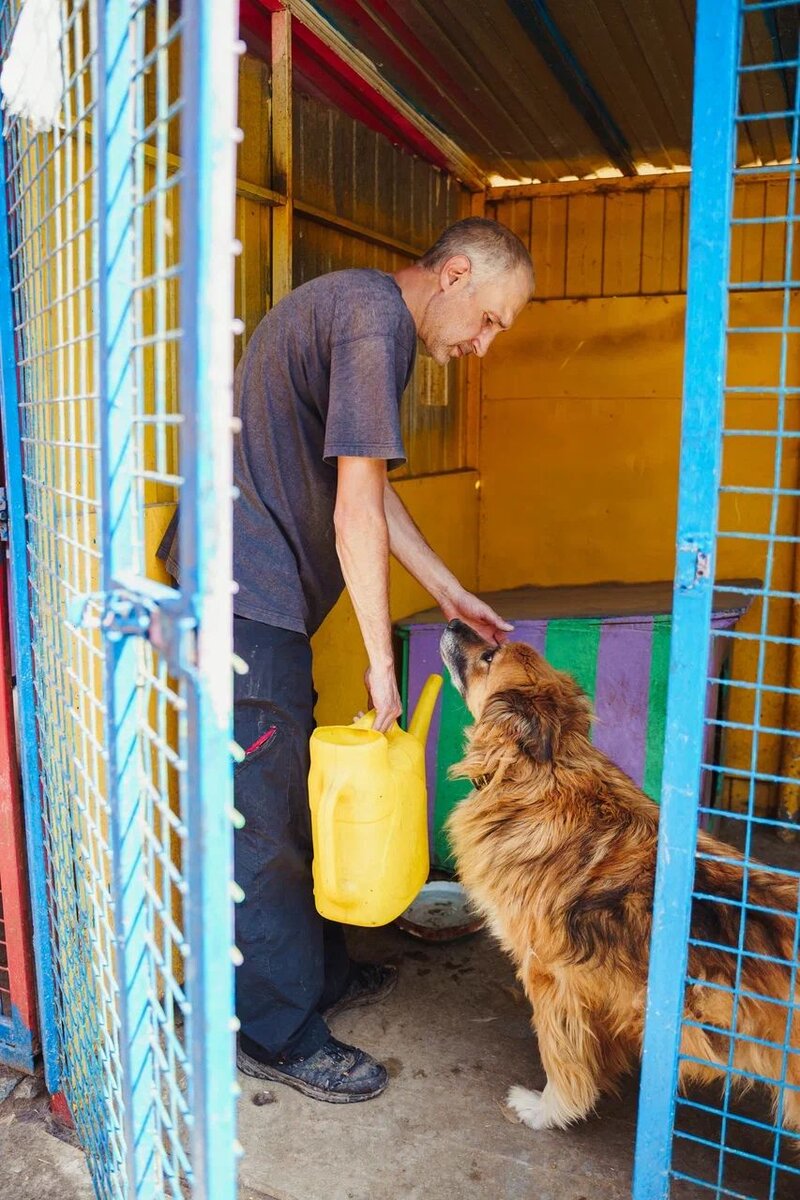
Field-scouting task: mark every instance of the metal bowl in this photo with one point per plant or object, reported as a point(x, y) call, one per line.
point(440, 913)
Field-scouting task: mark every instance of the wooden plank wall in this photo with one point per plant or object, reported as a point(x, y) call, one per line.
point(581, 407)
point(632, 242)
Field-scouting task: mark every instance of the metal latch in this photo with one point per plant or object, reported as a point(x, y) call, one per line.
point(140, 607)
point(693, 564)
point(3, 515)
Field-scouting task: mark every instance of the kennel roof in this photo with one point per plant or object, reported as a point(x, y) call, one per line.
point(542, 90)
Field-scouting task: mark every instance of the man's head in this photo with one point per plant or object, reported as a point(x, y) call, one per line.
point(479, 277)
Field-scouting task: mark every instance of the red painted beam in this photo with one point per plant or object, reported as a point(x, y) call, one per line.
point(312, 72)
point(383, 109)
point(13, 873)
point(341, 92)
point(60, 1110)
point(340, 83)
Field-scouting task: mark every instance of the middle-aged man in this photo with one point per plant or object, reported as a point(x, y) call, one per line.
point(318, 393)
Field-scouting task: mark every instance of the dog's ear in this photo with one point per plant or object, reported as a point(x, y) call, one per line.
point(527, 719)
point(536, 719)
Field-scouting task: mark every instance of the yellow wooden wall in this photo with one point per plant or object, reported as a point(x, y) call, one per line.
point(580, 417)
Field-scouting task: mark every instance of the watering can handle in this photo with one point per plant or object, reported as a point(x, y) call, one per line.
point(421, 718)
point(327, 834)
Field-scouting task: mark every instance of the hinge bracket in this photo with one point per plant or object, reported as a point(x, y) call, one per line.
point(694, 564)
point(139, 607)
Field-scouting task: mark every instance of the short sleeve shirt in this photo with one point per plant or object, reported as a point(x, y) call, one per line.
point(322, 377)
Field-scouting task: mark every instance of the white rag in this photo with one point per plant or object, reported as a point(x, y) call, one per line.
point(32, 78)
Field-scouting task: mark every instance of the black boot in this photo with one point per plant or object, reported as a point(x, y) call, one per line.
point(336, 1073)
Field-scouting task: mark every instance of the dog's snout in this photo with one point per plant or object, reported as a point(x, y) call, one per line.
point(455, 626)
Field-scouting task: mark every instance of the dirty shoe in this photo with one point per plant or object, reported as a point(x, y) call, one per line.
point(336, 1073)
point(368, 983)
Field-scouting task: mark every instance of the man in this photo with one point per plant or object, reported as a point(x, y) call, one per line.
point(318, 392)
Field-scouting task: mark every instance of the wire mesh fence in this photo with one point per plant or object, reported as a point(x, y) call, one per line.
point(118, 220)
point(725, 1027)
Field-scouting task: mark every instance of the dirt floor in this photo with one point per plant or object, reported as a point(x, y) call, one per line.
point(455, 1035)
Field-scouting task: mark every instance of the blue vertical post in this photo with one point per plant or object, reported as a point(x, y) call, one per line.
point(209, 76)
point(116, 331)
point(23, 654)
point(711, 196)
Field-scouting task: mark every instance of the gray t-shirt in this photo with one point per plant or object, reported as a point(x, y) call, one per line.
point(322, 376)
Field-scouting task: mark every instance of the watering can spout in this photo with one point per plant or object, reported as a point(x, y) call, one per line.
point(421, 720)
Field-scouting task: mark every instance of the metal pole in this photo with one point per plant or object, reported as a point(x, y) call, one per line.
point(713, 149)
point(115, 120)
point(209, 76)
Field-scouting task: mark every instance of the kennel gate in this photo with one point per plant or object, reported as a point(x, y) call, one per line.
point(739, 498)
point(116, 307)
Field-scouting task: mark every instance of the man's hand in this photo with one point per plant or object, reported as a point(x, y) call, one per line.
point(410, 548)
point(474, 612)
point(383, 696)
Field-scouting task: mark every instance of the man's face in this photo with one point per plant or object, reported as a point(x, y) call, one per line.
point(465, 316)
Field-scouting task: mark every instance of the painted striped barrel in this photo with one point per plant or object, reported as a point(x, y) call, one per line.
point(613, 638)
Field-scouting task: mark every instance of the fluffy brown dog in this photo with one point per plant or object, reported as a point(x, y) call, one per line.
point(557, 847)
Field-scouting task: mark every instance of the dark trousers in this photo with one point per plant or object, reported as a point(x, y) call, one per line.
point(295, 963)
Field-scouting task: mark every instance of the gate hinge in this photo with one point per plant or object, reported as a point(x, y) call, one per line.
point(693, 564)
point(141, 608)
point(3, 515)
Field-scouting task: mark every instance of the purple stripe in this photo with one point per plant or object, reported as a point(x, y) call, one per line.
point(622, 693)
point(425, 660)
point(532, 632)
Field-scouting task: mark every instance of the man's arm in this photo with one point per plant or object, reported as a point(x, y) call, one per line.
point(362, 543)
point(410, 548)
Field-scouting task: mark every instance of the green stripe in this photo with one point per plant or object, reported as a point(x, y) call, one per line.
point(657, 708)
point(572, 646)
point(404, 664)
point(454, 720)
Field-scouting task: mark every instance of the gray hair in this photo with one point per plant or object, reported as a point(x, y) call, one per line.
point(491, 248)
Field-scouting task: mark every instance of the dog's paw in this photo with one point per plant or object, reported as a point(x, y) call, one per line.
point(531, 1108)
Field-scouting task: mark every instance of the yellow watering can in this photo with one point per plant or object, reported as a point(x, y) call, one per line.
point(369, 815)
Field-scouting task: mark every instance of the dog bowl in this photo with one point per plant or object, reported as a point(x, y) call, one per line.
point(440, 913)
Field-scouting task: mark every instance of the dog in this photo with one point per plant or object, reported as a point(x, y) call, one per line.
point(556, 846)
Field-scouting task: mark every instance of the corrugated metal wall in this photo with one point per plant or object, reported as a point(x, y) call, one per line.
point(358, 202)
point(347, 170)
